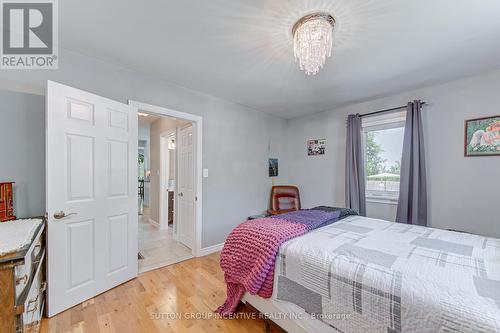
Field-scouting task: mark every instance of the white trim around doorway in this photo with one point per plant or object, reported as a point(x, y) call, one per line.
point(197, 122)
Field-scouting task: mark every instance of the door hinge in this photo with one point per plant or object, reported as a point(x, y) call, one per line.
point(195, 198)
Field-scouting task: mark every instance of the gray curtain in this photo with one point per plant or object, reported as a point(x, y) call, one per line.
point(354, 166)
point(412, 204)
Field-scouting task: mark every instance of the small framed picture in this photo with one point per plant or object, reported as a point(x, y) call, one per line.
point(273, 167)
point(482, 136)
point(316, 147)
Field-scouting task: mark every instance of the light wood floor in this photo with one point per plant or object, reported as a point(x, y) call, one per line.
point(158, 247)
point(188, 289)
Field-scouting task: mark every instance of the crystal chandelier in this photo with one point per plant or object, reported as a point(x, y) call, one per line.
point(312, 41)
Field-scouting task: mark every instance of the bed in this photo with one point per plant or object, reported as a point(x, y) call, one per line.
point(368, 275)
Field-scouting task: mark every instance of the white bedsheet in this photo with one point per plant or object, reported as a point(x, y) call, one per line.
point(369, 275)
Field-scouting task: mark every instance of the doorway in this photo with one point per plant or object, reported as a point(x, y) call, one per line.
point(167, 189)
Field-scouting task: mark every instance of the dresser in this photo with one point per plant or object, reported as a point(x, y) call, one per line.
point(22, 278)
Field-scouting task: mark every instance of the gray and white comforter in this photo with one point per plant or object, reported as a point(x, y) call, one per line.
point(369, 275)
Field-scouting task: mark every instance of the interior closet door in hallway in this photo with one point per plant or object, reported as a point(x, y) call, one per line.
point(185, 188)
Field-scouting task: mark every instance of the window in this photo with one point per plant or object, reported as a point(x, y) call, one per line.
point(383, 146)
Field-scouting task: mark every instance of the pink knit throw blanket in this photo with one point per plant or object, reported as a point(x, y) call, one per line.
point(249, 253)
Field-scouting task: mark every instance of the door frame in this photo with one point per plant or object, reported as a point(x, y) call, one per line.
point(197, 122)
point(164, 171)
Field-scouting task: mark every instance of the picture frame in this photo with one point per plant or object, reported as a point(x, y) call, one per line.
point(482, 136)
point(316, 147)
point(273, 167)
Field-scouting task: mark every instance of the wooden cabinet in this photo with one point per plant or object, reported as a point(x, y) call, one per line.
point(22, 286)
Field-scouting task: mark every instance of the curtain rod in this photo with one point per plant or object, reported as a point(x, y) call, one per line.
point(387, 110)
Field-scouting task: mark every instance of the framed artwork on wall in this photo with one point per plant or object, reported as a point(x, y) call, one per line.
point(316, 147)
point(482, 136)
point(273, 167)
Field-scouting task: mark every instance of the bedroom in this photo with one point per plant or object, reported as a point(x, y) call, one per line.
point(231, 66)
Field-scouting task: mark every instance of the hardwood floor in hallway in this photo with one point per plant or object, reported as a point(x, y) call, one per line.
point(176, 298)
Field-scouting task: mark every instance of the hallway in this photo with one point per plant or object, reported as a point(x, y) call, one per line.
point(158, 247)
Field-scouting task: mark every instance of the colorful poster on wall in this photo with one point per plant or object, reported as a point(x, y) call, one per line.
point(482, 136)
point(316, 147)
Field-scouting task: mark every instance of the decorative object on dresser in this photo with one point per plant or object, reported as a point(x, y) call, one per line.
point(6, 202)
point(22, 276)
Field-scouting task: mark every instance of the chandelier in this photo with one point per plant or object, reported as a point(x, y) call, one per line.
point(312, 41)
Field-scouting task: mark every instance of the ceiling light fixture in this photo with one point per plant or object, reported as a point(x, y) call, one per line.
point(312, 41)
point(142, 114)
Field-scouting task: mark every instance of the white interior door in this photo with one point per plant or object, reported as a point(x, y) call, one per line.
point(164, 176)
point(91, 161)
point(185, 187)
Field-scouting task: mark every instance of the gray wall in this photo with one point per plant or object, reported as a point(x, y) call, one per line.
point(463, 192)
point(22, 150)
point(157, 128)
point(144, 138)
point(385, 211)
point(237, 141)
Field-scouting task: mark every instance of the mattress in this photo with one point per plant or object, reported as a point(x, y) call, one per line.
point(370, 275)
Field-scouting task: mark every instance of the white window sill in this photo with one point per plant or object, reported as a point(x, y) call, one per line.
point(382, 200)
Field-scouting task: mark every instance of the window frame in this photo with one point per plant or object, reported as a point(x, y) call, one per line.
point(381, 122)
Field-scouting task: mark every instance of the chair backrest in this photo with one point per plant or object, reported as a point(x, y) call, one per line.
point(284, 198)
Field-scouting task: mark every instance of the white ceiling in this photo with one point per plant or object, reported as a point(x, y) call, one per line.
point(242, 51)
point(148, 120)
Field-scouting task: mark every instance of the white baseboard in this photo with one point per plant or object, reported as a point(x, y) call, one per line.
point(210, 249)
point(154, 223)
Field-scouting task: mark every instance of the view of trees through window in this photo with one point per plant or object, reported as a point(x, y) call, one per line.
point(383, 149)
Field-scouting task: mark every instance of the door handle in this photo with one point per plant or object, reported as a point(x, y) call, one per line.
point(181, 194)
point(60, 215)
